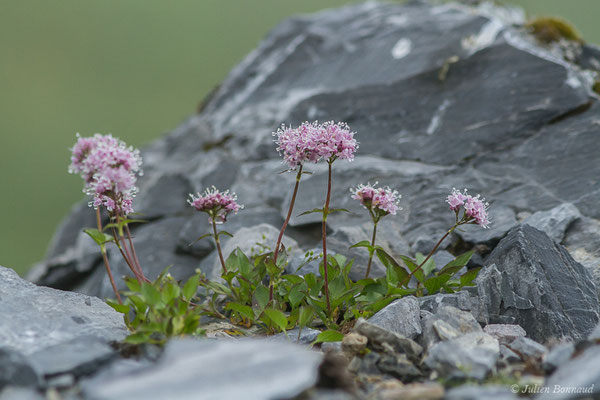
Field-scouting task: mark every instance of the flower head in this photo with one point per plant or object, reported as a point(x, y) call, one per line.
point(109, 169)
point(476, 208)
point(311, 141)
point(336, 140)
point(217, 204)
point(379, 201)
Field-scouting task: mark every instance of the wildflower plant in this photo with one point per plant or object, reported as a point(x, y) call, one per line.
point(109, 169)
point(380, 202)
point(218, 205)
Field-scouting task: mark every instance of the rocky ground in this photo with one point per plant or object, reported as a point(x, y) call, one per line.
point(441, 96)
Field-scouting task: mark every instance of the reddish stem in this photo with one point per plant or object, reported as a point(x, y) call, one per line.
point(285, 224)
point(218, 242)
point(429, 255)
point(131, 267)
point(105, 258)
point(135, 257)
point(324, 233)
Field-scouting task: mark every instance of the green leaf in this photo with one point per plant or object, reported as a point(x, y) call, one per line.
point(314, 210)
point(224, 233)
point(428, 266)
point(362, 243)
point(169, 292)
point(412, 266)
point(200, 238)
point(294, 279)
point(138, 338)
point(190, 287)
point(306, 316)
point(99, 237)
point(329, 336)
point(242, 309)
point(133, 284)
point(452, 270)
point(297, 294)
point(435, 283)
point(151, 294)
point(461, 260)
point(396, 270)
point(122, 308)
point(334, 210)
point(468, 277)
point(260, 299)
point(278, 317)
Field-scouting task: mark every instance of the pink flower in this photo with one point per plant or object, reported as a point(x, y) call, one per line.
point(336, 140)
point(476, 208)
point(380, 201)
point(217, 204)
point(456, 199)
point(109, 169)
point(311, 142)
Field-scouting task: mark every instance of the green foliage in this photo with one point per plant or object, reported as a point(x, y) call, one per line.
point(158, 310)
point(552, 29)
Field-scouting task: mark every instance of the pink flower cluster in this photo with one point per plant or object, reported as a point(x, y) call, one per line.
point(109, 169)
point(217, 204)
point(312, 142)
point(382, 201)
point(476, 208)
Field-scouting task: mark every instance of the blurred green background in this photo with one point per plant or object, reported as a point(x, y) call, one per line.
point(131, 68)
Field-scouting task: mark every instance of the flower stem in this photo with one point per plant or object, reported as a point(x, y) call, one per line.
point(105, 258)
point(324, 232)
point(372, 250)
point(218, 242)
point(135, 257)
point(289, 214)
point(287, 220)
point(126, 254)
point(430, 254)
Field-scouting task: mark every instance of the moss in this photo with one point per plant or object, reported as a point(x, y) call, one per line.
point(552, 29)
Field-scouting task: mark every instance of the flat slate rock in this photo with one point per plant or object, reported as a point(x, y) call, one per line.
point(403, 316)
point(35, 318)
point(531, 281)
point(211, 369)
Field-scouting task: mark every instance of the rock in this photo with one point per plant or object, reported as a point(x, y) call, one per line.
point(577, 378)
point(531, 281)
point(448, 323)
point(488, 392)
point(80, 356)
point(504, 219)
point(582, 239)
point(365, 364)
point(595, 335)
point(402, 316)
point(528, 348)
point(366, 64)
point(353, 343)
point(508, 355)
point(554, 222)
point(470, 356)
point(460, 300)
point(378, 337)
point(557, 356)
point(414, 391)
point(36, 318)
point(307, 336)
point(166, 195)
point(193, 369)
point(20, 393)
point(16, 370)
point(335, 347)
point(398, 366)
point(505, 333)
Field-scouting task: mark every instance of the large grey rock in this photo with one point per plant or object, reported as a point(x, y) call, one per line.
point(554, 222)
point(16, 370)
point(211, 369)
point(35, 318)
point(576, 379)
point(582, 239)
point(472, 355)
point(505, 333)
point(403, 316)
point(379, 337)
point(366, 64)
point(531, 281)
point(448, 323)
